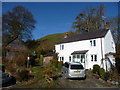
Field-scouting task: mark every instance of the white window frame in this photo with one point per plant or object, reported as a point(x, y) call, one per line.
point(93, 59)
point(61, 47)
point(93, 43)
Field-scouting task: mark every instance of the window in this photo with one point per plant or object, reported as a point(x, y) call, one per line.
point(93, 57)
point(74, 56)
point(76, 67)
point(61, 47)
point(66, 65)
point(62, 58)
point(93, 42)
point(78, 56)
point(70, 58)
point(112, 45)
point(82, 58)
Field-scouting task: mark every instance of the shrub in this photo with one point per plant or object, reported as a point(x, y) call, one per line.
point(96, 69)
point(10, 67)
point(107, 76)
point(41, 60)
point(54, 63)
point(102, 73)
point(23, 75)
point(118, 63)
point(50, 72)
point(21, 59)
point(60, 65)
point(37, 70)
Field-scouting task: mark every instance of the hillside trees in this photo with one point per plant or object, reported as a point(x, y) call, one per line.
point(17, 23)
point(90, 19)
point(115, 26)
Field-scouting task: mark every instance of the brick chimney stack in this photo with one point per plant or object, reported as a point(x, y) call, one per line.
point(107, 26)
point(66, 35)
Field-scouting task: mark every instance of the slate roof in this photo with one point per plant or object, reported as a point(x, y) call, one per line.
point(49, 54)
point(79, 52)
point(85, 36)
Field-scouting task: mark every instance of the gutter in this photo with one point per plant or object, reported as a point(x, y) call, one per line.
point(102, 52)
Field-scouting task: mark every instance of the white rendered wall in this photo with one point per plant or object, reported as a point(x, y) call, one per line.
point(109, 43)
point(79, 46)
point(103, 45)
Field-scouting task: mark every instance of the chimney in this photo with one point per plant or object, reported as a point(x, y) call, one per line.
point(107, 26)
point(66, 35)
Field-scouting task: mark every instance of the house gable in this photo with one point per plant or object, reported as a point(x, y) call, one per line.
point(109, 43)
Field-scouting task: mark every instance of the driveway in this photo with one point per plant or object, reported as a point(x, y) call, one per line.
point(89, 82)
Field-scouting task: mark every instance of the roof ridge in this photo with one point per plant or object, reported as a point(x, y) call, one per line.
point(85, 36)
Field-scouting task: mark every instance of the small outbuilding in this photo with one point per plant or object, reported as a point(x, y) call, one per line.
point(47, 58)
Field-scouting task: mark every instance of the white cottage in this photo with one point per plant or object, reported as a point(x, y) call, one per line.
point(89, 48)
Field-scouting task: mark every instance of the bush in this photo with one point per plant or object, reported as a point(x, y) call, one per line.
point(41, 60)
point(21, 59)
point(54, 63)
point(107, 76)
point(10, 67)
point(37, 70)
point(118, 63)
point(51, 72)
point(102, 73)
point(96, 69)
point(60, 65)
point(23, 75)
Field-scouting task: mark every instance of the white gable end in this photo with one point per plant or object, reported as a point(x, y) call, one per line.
point(109, 43)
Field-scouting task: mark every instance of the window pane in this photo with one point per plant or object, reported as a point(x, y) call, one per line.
point(95, 57)
point(91, 42)
point(66, 65)
point(62, 47)
point(91, 57)
point(76, 67)
point(70, 58)
point(94, 42)
point(78, 56)
point(74, 56)
point(62, 58)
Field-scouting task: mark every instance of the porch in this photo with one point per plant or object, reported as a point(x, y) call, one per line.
point(79, 57)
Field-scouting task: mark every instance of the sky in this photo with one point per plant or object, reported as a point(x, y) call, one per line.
point(57, 17)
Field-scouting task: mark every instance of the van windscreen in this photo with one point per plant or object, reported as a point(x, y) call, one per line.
point(77, 67)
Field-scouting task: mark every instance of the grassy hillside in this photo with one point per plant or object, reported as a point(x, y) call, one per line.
point(47, 43)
